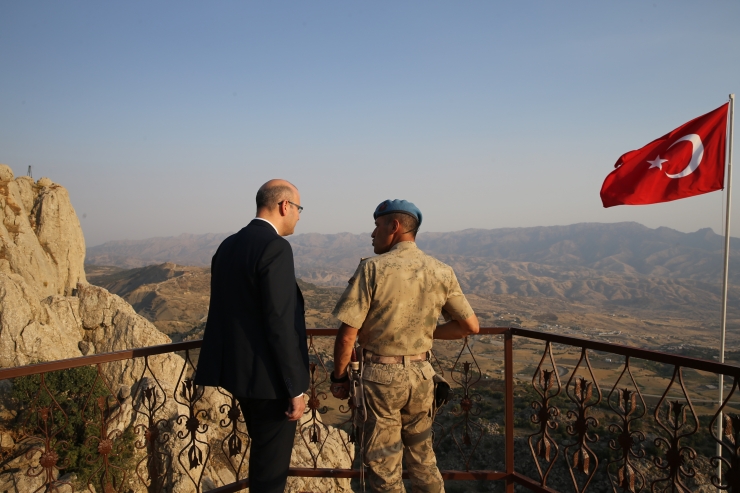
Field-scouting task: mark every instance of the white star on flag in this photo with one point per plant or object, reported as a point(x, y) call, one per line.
point(657, 163)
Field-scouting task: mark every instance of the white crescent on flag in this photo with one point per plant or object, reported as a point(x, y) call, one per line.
point(641, 176)
point(696, 155)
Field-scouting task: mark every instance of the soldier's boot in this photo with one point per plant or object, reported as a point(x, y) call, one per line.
point(422, 463)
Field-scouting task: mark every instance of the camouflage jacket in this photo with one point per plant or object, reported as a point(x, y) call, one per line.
point(395, 299)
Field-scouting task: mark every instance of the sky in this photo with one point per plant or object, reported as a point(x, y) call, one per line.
point(163, 118)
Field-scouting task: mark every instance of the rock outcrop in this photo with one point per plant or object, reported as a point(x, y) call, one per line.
point(47, 309)
point(33, 329)
point(40, 236)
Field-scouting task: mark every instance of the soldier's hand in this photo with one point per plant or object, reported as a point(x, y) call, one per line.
point(340, 386)
point(340, 390)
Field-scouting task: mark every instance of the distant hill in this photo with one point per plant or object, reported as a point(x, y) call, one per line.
point(629, 249)
point(624, 248)
point(658, 274)
point(185, 249)
point(175, 297)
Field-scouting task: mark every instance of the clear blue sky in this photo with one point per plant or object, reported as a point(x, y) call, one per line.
point(165, 117)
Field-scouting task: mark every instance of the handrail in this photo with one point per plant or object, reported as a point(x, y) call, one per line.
point(63, 364)
point(633, 352)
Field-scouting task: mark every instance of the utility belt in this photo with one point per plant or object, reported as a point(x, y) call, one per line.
point(370, 357)
point(441, 387)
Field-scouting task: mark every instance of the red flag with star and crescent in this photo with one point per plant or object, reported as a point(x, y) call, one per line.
point(688, 161)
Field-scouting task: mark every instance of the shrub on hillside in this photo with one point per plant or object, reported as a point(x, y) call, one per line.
point(70, 407)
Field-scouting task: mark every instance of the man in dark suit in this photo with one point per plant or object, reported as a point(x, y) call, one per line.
point(254, 344)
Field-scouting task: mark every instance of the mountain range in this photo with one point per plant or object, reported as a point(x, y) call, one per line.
point(621, 264)
point(626, 247)
point(619, 248)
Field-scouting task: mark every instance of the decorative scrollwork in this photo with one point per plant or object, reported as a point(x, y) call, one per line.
point(348, 425)
point(46, 421)
point(466, 432)
point(313, 431)
point(107, 476)
point(582, 456)
point(625, 405)
point(676, 461)
point(319, 376)
point(153, 469)
point(235, 444)
point(730, 442)
point(547, 384)
point(198, 450)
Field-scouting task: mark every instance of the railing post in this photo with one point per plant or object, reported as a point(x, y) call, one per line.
point(509, 409)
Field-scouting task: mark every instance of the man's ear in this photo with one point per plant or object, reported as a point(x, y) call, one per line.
point(396, 226)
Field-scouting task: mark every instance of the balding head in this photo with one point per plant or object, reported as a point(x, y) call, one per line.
point(273, 192)
point(279, 203)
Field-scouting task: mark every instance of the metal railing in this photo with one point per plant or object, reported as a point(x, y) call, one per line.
point(525, 427)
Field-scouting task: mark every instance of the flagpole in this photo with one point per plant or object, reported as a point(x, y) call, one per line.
point(723, 323)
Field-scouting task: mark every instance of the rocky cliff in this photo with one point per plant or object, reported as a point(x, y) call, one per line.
point(40, 235)
point(47, 309)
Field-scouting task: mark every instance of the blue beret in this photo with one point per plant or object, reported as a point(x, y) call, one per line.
point(393, 206)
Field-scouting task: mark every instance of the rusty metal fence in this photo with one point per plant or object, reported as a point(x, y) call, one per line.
point(530, 410)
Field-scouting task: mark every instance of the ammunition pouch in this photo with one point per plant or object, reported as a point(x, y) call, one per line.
point(441, 391)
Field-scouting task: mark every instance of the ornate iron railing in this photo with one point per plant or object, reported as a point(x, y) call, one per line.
point(138, 423)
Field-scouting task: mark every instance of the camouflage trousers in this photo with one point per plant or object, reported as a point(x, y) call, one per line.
point(399, 421)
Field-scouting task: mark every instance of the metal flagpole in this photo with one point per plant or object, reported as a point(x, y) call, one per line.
point(723, 323)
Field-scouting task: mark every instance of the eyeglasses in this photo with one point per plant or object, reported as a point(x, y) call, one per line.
point(300, 207)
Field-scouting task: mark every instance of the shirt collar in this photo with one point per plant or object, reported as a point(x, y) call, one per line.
point(403, 245)
point(268, 222)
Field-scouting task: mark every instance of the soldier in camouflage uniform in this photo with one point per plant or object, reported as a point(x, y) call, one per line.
point(394, 301)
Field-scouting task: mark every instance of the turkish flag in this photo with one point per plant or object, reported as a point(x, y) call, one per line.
point(688, 161)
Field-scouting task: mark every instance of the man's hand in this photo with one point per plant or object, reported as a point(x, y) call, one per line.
point(340, 390)
point(296, 406)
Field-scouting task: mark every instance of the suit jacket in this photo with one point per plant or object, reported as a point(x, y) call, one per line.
point(254, 343)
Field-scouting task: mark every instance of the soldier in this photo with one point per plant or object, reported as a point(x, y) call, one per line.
point(394, 301)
